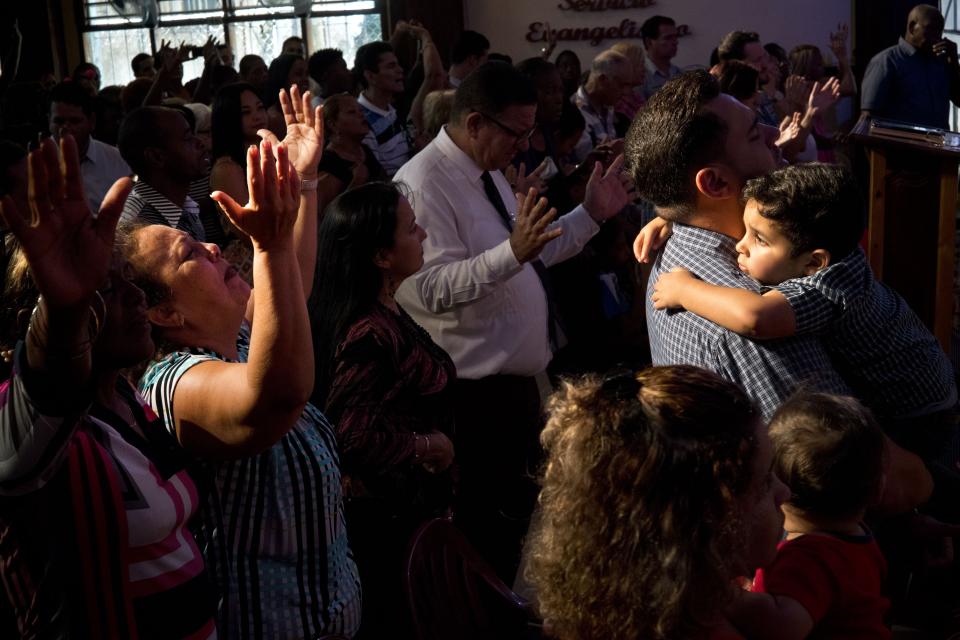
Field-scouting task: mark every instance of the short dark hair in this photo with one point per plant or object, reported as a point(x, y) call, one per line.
point(738, 79)
point(671, 138)
point(650, 29)
point(535, 68)
point(733, 44)
point(368, 59)
point(499, 57)
point(139, 131)
point(490, 89)
point(321, 61)
point(247, 62)
point(830, 451)
point(277, 75)
point(137, 59)
point(469, 43)
point(571, 120)
point(815, 205)
point(72, 93)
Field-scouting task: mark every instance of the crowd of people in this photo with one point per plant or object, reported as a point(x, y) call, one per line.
point(613, 320)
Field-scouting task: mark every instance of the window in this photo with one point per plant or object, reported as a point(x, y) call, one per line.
point(111, 38)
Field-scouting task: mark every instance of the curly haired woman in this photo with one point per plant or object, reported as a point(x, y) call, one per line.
point(658, 493)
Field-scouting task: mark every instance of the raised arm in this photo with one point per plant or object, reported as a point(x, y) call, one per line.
point(226, 409)
point(69, 253)
point(745, 312)
point(433, 74)
point(304, 144)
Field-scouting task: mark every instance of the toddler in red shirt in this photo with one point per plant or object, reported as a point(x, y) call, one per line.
point(827, 578)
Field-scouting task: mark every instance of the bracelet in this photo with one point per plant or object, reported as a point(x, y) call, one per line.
point(309, 185)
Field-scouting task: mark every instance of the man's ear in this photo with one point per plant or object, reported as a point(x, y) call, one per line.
point(164, 315)
point(472, 123)
point(819, 259)
point(154, 157)
point(715, 181)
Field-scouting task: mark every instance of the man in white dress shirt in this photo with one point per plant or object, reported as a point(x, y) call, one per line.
point(481, 295)
point(71, 111)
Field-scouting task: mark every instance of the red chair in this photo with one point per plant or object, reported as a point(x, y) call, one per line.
point(454, 593)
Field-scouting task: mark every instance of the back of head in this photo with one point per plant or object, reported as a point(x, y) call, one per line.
point(469, 43)
point(641, 522)
point(633, 52)
point(815, 205)
point(356, 225)
point(134, 94)
point(226, 125)
point(368, 59)
point(137, 61)
point(733, 45)
point(535, 68)
point(277, 77)
point(322, 61)
point(830, 451)
point(248, 62)
point(738, 79)
point(436, 111)
point(490, 89)
point(139, 131)
point(673, 137)
point(608, 63)
point(803, 60)
point(73, 94)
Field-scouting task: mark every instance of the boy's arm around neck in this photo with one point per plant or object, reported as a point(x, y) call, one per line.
point(748, 313)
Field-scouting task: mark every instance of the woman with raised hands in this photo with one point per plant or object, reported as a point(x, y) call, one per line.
point(94, 537)
point(234, 387)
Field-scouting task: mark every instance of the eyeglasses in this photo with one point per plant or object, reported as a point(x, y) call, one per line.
point(518, 136)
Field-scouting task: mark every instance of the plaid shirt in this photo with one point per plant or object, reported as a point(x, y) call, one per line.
point(768, 371)
point(877, 342)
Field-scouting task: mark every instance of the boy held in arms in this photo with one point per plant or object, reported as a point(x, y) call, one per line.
point(828, 575)
point(803, 224)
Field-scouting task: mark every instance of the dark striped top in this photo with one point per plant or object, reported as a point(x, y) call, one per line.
point(391, 382)
point(93, 526)
point(291, 571)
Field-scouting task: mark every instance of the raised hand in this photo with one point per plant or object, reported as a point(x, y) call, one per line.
point(607, 193)
point(270, 215)
point(69, 250)
point(796, 92)
point(789, 130)
point(530, 233)
point(521, 181)
point(304, 139)
point(211, 55)
point(946, 49)
point(823, 96)
point(838, 41)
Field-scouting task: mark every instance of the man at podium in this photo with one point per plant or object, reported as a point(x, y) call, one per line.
point(916, 79)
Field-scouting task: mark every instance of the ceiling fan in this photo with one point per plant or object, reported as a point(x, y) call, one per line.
point(145, 10)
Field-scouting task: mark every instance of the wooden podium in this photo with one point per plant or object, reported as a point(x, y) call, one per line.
point(912, 223)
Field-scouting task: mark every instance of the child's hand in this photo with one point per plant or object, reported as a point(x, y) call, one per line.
point(668, 290)
point(651, 238)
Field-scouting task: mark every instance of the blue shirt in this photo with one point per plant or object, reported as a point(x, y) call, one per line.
point(892, 362)
point(903, 84)
point(768, 371)
point(291, 574)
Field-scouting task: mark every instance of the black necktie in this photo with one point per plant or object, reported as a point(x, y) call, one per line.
point(554, 330)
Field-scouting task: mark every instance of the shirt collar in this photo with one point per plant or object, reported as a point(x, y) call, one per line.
point(362, 99)
point(156, 199)
point(906, 47)
point(695, 239)
point(652, 69)
point(458, 156)
point(93, 152)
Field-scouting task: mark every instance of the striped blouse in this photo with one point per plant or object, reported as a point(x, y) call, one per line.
point(291, 571)
point(93, 530)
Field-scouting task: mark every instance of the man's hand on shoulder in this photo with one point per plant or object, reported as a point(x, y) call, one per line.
point(608, 192)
